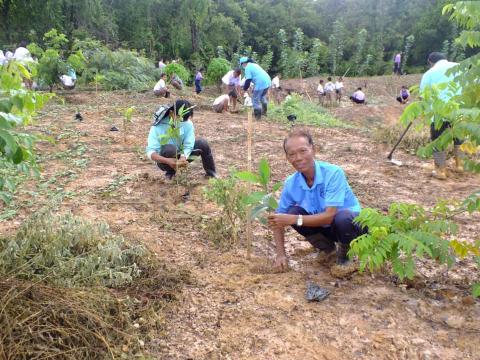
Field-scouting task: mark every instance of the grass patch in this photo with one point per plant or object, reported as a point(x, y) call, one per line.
point(71, 289)
point(412, 141)
point(307, 113)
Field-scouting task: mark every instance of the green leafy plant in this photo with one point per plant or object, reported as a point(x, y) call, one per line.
point(17, 108)
point(263, 200)
point(409, 231)
point(217, 68)
point(178, 69)
point(127, 119)
point(224, 229)
point(307, 112)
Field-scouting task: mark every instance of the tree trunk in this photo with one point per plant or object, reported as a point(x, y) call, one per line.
point(194, 35)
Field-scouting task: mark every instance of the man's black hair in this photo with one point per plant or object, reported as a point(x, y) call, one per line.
point(359, 88)
point(22, 43)
point(329, 78)
point(297, 133)
point(237, 70)
point(434, 57)
point(186, 105)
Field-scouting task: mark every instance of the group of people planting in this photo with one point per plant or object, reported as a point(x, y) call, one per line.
point(317, 200)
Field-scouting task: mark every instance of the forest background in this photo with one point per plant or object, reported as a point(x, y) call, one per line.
point(294, 37)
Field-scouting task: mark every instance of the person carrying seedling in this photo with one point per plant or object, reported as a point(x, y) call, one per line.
point(160, 88)
point(175, 152)
point(254, 73)
point(435, 76)
point(404, 95)
point(198, 81)
point(317, 202)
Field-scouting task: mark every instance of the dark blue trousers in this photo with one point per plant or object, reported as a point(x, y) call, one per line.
point(343, 228)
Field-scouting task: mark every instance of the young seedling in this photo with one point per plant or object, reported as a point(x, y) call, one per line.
point(264, 200)
point(127, 118)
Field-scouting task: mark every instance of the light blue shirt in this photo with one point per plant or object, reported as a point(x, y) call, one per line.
point(437, 75)
point(330, 189)
point(187, 134)
point(258, 76)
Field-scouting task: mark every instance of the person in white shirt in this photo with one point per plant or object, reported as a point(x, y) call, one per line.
point(358, 97)
point(339, 89)
point(247, 101)
point(329, 90)
point(220, 104)
point(160, 88)
point(22, 54)
point(321, 92)
point(233, 79)
point(276, 89)
point(67, 82)
point(3, 59)
point(162, 66)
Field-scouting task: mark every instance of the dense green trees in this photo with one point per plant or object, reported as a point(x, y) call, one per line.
point(192, 30)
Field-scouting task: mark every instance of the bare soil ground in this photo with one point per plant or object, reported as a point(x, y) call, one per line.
point(235, 309)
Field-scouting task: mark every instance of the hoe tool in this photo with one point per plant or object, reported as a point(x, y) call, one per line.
point(389, 157)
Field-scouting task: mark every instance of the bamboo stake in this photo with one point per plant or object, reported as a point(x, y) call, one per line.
point(249, 186)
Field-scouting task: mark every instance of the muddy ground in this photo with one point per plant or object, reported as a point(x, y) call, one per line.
point(235, 309)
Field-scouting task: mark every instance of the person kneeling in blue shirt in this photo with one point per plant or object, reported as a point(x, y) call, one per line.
point(316, 201)
point(164, 155)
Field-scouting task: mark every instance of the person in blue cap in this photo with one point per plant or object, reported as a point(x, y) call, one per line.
point(254, 73)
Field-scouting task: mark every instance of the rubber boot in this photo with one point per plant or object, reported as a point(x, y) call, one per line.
point(264, 109)
point(459, 156)
point(440, 162)
point(342, 250)
point(257, 113)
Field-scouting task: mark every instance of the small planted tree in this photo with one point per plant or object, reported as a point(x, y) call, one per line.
point(127, 119)
point(217, 68)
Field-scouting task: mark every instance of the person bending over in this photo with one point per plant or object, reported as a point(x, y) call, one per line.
point(404, 95)
point(164, 155)
point(316, 201)
point(220, 104)
point(358, 97)
point(254, 73)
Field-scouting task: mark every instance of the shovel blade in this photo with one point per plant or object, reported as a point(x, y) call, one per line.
point(396, 162)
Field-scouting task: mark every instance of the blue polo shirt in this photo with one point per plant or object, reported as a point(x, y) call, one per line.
point(330, 189)
point(258, 76)
point(187, 135)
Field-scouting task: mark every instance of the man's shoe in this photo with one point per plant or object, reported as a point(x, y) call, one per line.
point(211, 175)
point(321, 243)
point(264, 109)
point(459, 156)
point(440, 173)
point(257, 113)
point(342, 251)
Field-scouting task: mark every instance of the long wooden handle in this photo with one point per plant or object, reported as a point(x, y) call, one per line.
point(249, 186)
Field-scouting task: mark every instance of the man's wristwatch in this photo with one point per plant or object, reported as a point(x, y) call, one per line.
point(300, 220)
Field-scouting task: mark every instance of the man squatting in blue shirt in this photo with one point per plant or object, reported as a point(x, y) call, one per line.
point(164, 155)
point(316, 201)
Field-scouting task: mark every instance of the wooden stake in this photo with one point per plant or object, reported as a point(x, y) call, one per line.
point(249, 186)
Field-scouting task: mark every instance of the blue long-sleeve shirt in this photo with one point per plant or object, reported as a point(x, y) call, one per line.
point(187, 138)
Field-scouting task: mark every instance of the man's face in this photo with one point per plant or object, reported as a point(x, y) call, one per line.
point(300, 153)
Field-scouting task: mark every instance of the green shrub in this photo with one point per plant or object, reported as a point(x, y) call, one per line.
point(217, 68)
point(69, 251)
point(121, 69)
point(180, 70)
point(307, 112)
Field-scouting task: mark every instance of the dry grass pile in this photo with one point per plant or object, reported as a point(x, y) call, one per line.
point(71, 289)
point(412, 141)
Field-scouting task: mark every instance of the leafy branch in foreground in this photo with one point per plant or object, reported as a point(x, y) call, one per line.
point(17, 107)
point(263, 200)
point(409, 231)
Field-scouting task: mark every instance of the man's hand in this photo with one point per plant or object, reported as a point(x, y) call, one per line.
point(181, 162)
point(279, 221)
point(281, 264)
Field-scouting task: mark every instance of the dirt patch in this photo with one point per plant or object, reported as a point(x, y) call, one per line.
point(232, 310)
